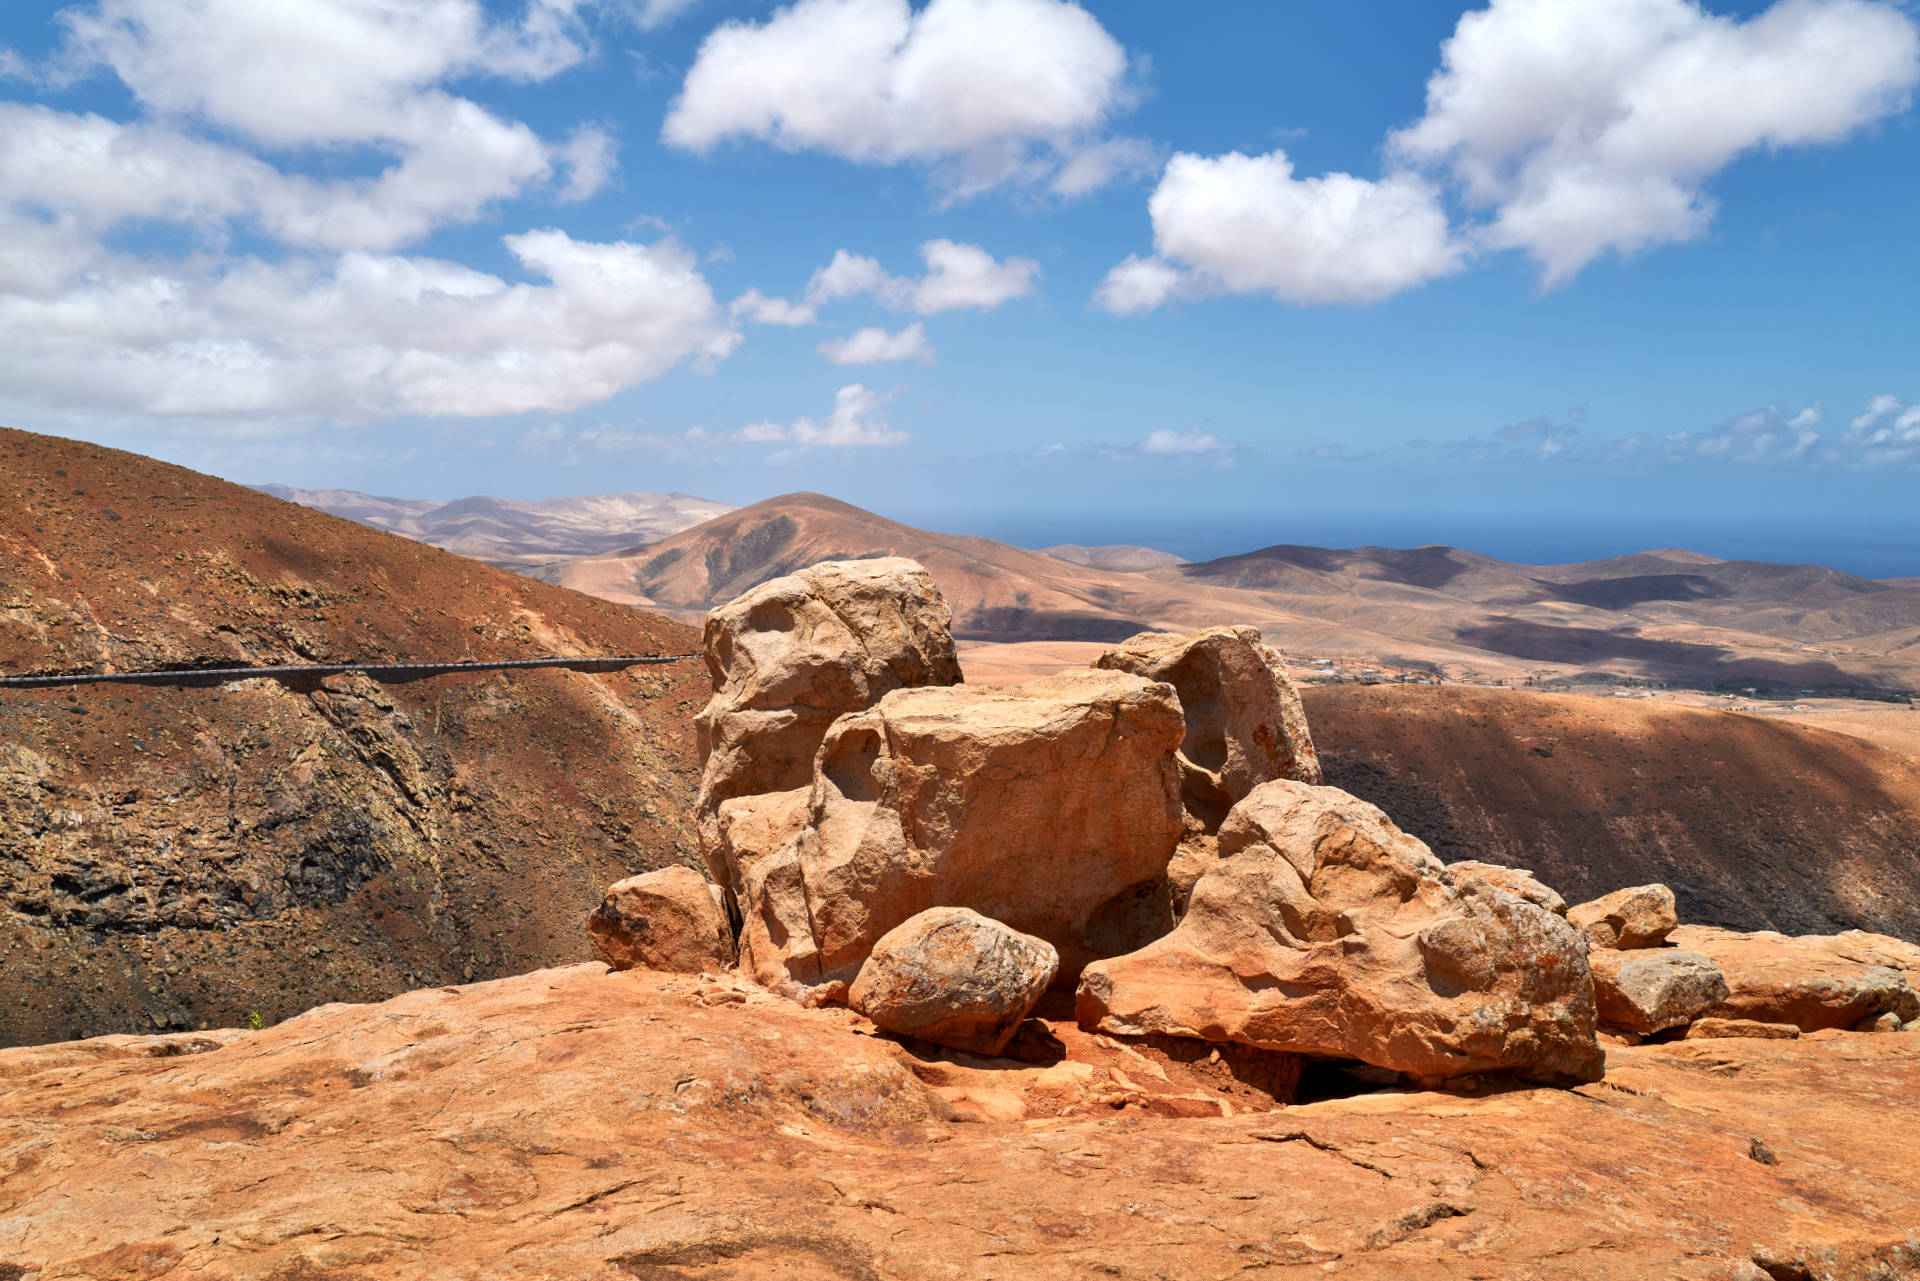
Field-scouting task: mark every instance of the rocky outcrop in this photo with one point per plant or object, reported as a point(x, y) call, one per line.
point(1638, 916)
point(665, 920)
point(1653, 989)
point(793, 654)
point(1515, 881)
point(1323, 929)
point(1244, 722)
point(1052, 806)
point(572, 1123)
point(1813, 982)
point(954, 977)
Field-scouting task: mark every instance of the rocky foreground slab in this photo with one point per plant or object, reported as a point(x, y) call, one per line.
point(577, 1124)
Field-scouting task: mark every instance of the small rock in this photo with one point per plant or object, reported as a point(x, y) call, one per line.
point(664, 920)
point(1709, 1028)
point(1761, 1153)
point(1639, 916)
point(1887, 1022)
point(1650, 990)
point(954, 977)
point(1516, 881)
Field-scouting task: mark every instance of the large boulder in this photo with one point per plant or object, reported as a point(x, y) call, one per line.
point(1652, 989)
point(954, 977)
point(1638, 916)
point(1244, 722)
point(1813, 982)
point(1052, 806)
point(796, 652)
point(665, 920)
point(1324, 929)
point(1516, 881)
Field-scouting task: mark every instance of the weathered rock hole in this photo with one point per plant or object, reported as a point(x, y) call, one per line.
point(850, 768)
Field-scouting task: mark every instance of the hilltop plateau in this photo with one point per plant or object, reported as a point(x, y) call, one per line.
point(173, 857)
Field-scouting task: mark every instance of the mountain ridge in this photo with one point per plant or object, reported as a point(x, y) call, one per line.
point(1663, 616)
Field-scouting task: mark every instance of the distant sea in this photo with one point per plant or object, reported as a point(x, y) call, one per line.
point(1870, 552)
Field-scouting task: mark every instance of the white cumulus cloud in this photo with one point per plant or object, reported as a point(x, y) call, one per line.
point(857, 421)
point(1589, 126)
point(874, 345)
point(231, 101)
point(360, 335)
point(985, 91)
point(958, 277)
point(1245, 224)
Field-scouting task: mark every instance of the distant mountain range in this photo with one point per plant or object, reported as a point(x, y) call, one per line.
point(1669, 616)
point(512, 534)
point(1666, 616)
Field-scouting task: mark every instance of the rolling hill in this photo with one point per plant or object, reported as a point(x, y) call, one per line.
point(512, 534)
point(178, 856)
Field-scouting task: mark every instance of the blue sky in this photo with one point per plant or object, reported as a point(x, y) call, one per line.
point(1549, 279)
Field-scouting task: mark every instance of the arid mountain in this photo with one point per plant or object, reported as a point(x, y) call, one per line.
point(997, 592)
point(513, 534)
point(176, 856)
point(1115, 556)
point(1666, 616)
point(1756, 824)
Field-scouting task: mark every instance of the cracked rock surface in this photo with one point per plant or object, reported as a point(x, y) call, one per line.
point(591, 1126)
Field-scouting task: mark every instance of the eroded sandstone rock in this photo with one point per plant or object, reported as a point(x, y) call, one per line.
point(794, 653)
point(1244, 722)
point(1813, 982)
point(1638, 916)
point(1324, 929)
point(1052, 806)
point(1710, 1028)
point(1652, 989)
point(665, 920)
point(954, 977)
point(1516, 881)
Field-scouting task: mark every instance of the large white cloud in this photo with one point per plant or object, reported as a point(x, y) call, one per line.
point(1579, 127)
point(1589, 126)
point(1246, 224)
point(295, 72)
point(361, 335)
point(987, 91)
point(235, 97)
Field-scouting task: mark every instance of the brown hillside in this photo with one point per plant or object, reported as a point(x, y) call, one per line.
point(998, 592)
point(1756, 824)
point(170, 857)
